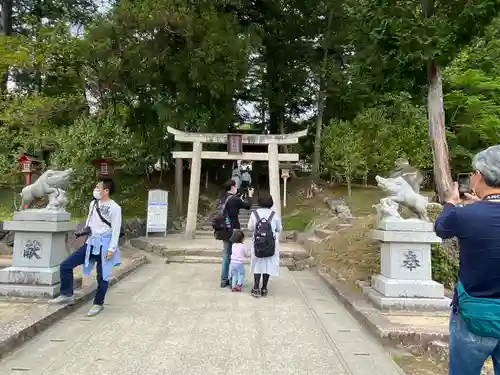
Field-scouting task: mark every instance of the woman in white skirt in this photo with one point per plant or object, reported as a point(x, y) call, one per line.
point(265, 267)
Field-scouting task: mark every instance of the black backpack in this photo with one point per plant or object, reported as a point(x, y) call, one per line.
point(264, 242)
point(221, 223)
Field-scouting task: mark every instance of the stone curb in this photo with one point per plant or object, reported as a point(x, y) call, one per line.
point(421, 339)
point(23, 329)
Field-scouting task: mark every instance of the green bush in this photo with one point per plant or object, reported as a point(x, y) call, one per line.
point(104, 135)
point(444, 267)
point(444, 264)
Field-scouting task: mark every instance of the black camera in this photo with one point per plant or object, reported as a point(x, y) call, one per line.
point(463, 180)
point(83, 232)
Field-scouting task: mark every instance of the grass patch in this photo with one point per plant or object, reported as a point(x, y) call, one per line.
point(353, 253)
point(7, 203)
point(297, 222)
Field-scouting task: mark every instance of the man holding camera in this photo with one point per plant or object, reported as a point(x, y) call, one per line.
point(102, 229)
point(474, 324)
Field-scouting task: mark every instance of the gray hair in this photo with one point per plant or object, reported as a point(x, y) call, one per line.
point(487, 162)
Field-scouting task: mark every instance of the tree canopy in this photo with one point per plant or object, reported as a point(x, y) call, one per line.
point(72, 72)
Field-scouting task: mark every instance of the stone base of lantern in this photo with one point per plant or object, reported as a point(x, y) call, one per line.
point(39, 248)
point(406, 281)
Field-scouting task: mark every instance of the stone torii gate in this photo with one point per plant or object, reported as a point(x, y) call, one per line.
point(272, 156)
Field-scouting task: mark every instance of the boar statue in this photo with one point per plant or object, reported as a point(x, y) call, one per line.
point(398, 190)
point(387, 208)
point(50, 184)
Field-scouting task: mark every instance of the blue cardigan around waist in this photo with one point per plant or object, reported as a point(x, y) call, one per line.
point(101, 241)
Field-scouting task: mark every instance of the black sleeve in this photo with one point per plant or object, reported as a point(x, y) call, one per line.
point(246, 204)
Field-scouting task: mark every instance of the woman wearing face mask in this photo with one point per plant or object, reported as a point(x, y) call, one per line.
point(101, 247)
point(475, 317)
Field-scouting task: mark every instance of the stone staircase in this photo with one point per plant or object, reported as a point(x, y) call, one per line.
point(205, 249)
point(204, 228)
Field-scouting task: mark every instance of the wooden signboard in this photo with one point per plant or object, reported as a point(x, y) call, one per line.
point(234, 144)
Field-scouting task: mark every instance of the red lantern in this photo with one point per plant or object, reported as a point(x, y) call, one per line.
point(106, 167)
point(28, 165)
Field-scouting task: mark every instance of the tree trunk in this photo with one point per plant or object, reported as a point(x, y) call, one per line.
point(321, 101)
point(282, 131)
point(442, 174)
point(6, 29)
point(437, 133)
point(319, 128)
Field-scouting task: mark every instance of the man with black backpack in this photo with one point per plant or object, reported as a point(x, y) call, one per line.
point(225, 221)
point(102, 229)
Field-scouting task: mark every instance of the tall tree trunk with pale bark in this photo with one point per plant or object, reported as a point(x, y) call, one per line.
point(437, 133)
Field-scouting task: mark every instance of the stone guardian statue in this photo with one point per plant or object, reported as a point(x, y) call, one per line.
point(412, 175)
point(50, 184)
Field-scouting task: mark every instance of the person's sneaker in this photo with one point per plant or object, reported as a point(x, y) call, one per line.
point(239, 287)
point(263, 292)
point(234, 289)
point(224, 284)
point(62, 300)
point(255, 293)
point(94, 310)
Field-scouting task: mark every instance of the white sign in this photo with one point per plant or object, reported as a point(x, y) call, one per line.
point(157, 212)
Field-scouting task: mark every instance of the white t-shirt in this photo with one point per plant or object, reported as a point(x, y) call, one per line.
point(112, 212)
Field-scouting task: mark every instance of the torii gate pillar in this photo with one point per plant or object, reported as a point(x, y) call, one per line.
point(274, 176)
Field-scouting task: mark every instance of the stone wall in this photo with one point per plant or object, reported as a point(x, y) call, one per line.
point(133, 228)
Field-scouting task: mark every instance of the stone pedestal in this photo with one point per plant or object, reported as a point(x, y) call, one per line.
point(406, 281)
point(39, 249)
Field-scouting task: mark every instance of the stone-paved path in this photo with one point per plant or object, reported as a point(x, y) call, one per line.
point(174, 320)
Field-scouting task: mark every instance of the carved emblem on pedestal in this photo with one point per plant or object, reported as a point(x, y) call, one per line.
point(32, 249)
point(411, 261)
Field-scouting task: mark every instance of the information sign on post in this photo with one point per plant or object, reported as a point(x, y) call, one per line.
point(157, 212)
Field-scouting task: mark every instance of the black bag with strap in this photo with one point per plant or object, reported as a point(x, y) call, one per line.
point(103, 219)
point(264, 241)
point(221, 224)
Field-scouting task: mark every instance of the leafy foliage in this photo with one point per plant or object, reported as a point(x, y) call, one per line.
point(375, 138)
point(91, 138)
point(86, 83)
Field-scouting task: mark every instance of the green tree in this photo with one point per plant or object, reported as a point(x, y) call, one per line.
point(344, 152)
point(88, 138)
point(403, 45)
point(472, 98)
